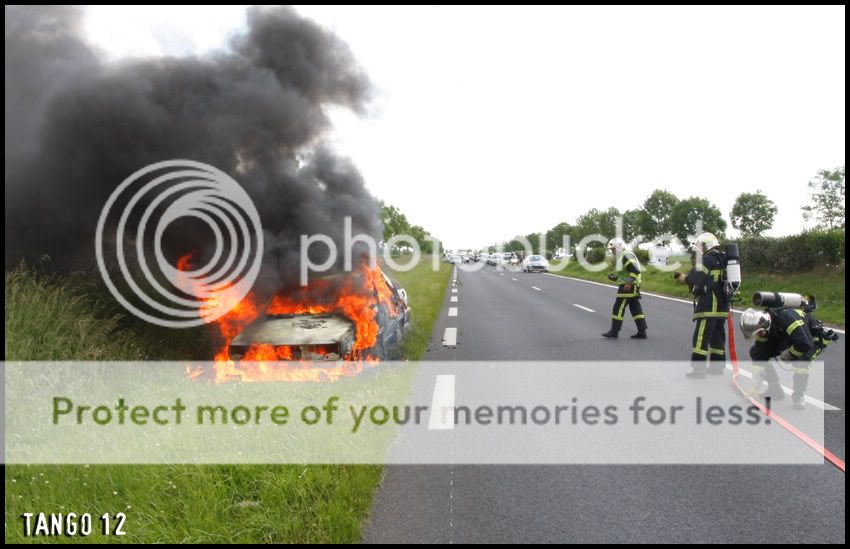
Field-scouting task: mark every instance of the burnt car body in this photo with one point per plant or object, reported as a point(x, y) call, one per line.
point(327, 336)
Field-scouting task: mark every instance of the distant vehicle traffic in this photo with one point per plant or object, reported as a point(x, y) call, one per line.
point(535, 264)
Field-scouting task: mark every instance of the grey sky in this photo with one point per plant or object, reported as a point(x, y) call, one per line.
point(491, 122)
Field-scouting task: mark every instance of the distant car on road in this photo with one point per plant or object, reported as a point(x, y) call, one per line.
point(456, 259)
point(535, 264)
point(493, 259)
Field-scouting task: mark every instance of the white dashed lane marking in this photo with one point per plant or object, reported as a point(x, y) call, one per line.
point(788, 391)
point(450, 337)
point(454, 299)
point(452, 311)
point(583, 308)
point(536, 288)
point(454, 290)
point(442, 404)
point(668, 298)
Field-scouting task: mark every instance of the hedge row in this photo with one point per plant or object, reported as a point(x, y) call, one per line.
point(597, 255)
point(799, 252)
point(787, 254)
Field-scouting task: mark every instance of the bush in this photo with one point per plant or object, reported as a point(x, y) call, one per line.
point(594, 255)
point(796, 253)
point(643, 256)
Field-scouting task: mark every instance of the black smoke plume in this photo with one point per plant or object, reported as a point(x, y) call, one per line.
point(76, 126)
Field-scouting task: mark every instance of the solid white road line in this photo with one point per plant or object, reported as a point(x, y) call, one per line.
point(536, 288)
point(583, 308)
point(442, 404)
point(667, 297)
point(452, 311)
point(788, 391)
point(454, 299)
point(450, 337)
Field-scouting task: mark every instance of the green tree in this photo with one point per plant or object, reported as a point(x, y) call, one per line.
point(632, 220)
point(555, 236)
point(597, 222)
point(826, 204)
point(395, 222)
point(656, 215)
point(753, 213)
point(689, 212)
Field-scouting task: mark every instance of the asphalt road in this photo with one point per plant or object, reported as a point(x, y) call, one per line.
point(503, 315)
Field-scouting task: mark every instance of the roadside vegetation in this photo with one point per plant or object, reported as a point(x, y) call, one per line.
point(826, 283)
point(810, 262)
point(70, 317)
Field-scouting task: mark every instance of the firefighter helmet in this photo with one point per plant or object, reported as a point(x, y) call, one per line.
point(616, 245)
point(755, 323)
point(705, 242)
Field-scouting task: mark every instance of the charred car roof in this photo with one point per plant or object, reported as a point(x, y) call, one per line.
point(320, 329)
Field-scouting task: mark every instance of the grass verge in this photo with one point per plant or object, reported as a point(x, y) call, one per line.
point(826, 284)
point(425, 289)
point(69, 318)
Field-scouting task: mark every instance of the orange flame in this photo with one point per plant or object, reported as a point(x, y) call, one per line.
point(355, 296)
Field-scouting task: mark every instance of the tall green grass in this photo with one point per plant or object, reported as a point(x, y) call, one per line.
point(72, 318)
point(425, 289)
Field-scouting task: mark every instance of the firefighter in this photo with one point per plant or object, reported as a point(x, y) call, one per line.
point(794, 336)
point(711, 306)
point(628, 291)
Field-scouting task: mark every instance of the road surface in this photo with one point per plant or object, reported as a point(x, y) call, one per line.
point(503, 315)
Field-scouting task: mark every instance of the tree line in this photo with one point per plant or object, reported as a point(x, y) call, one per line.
point(396, 224)
point(663, 213)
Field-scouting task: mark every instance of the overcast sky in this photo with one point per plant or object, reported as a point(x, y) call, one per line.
point(492, 122)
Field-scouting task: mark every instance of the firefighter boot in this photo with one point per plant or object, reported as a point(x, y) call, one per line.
point(615, 329)
point(798, 397)
point(716, 364)
point(641, 327)
point(774, 388)
point(697, 370)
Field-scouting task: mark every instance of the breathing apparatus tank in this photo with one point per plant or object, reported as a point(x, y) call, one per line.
point(777, 300)
point(733, 269)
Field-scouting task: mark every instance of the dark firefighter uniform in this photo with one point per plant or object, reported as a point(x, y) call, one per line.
point(789, 331)
point(711, 309)
point(628, 294)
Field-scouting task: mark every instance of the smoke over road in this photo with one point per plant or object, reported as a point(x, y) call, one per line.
point(76, 126)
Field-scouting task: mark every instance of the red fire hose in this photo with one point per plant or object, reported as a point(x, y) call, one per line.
point(835, 460)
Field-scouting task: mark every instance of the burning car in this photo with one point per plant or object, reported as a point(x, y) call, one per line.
point(352, 316)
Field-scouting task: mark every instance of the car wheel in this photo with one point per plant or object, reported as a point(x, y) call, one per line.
point(395, 347)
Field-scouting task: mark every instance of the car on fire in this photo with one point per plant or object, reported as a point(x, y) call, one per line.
point(327, 336)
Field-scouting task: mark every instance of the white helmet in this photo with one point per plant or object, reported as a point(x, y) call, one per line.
point(616, 245)
point(705, 242)
point(754, 323)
